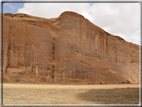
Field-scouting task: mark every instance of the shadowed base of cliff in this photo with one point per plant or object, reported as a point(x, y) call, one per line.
point(111, 96)
point(70, 94)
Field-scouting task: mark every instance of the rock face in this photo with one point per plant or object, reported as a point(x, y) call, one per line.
point(0, 53)
point(68, 50)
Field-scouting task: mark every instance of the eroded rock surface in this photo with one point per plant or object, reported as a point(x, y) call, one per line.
point(68, 49)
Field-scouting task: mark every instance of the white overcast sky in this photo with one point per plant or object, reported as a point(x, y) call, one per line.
point(120, 19)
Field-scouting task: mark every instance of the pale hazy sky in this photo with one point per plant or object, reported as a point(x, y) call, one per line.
point(121, 19)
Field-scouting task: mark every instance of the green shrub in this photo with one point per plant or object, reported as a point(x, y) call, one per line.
point(114, 82)
point(17, 79)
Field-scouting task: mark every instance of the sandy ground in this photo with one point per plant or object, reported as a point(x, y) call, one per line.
point(70, 94)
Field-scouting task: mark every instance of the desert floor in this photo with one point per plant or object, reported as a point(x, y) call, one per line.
point(70, 94)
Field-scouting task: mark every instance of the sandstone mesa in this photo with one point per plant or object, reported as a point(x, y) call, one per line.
point(67, 50)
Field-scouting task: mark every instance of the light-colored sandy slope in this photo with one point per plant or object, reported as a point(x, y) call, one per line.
point(70, 94)
point(59, 86)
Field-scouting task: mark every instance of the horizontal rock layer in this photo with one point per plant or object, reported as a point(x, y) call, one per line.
point(68, 49)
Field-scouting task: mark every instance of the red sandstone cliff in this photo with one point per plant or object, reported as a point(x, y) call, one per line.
point(67, 49)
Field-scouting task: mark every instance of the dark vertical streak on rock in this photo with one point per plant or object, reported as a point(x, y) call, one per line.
point(25, 53)
point(107, 45)
point(8, 51)
point(116, 61)
point(115, 54)
point(80, 29)
point(53, 59)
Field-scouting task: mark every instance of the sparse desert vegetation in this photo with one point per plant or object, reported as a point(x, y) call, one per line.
point(70, 94)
